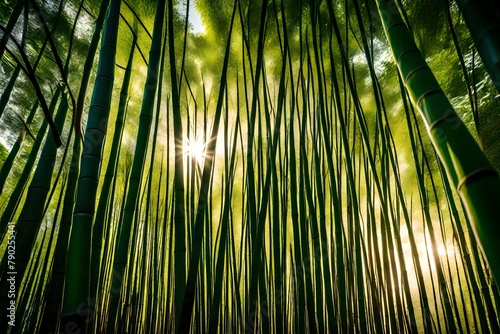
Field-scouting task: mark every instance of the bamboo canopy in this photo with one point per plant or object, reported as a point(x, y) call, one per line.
point(235, 166)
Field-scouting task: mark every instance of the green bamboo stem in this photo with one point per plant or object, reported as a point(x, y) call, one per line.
point(178, 219)
point(221, 252)
point(109, 176)
point(77, 286)
point(149, 208)
point(250, 174)
point(131, 201)
point(310, 314)
point(154, 292)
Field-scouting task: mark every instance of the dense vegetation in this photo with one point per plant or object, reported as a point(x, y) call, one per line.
point(289, 166)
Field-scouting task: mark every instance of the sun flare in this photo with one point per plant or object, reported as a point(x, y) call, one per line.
point(195, 149)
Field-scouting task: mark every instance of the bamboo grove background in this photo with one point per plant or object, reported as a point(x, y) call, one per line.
point(320, 201)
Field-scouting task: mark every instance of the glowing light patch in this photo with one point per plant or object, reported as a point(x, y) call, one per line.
point(442, 250)
point(195, 149)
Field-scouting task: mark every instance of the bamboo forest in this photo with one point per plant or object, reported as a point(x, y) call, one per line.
point(249, 166)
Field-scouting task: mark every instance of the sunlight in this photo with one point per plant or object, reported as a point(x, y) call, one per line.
point(194, 18)
point(195, 149)
point(442, 250)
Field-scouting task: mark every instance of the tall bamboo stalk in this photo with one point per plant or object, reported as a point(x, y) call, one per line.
point(77, 287)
